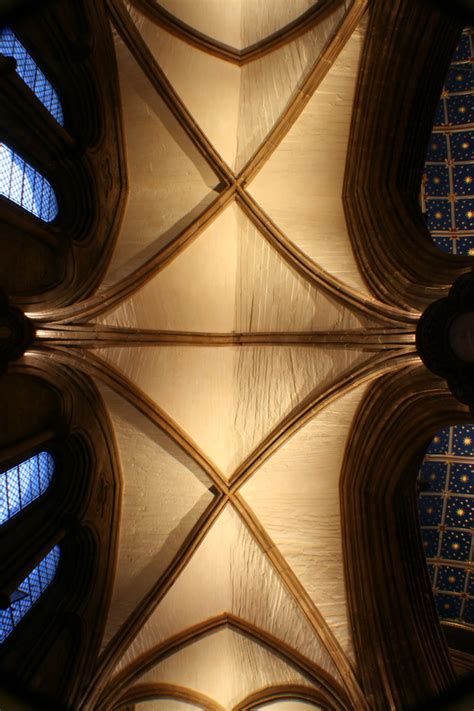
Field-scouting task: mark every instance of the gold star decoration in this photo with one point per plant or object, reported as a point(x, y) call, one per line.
point(438, 215)
point(462, 109)
point(465, 145)
point(468, 179)
point(467, 440)
point(452, 579)
point(464, 478)
point(460, 512)
point(470, 214)
point(436, 439)
point(455, 546)
point(470, 251)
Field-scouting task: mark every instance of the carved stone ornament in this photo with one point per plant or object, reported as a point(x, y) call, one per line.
point(445, 339)
point(16, 332)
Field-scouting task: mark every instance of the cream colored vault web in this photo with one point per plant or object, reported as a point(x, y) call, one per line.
point(234, 342)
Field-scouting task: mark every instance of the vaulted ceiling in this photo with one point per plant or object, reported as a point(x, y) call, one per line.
point(235, 375)
point(233, 340)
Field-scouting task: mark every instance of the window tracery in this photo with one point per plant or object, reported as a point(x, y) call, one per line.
point(29, 592)
point(30, 73)
point(22, 484)
point(25, 186)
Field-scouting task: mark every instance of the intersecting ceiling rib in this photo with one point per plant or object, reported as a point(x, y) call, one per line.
point(238, 23)
point(226, 519)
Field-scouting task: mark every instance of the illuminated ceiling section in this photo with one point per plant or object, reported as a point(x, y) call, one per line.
point(301, 185)
point(448, 180)
point(165, 494)
point(237, 107)
point(169, 180)
point(295, 495)
point(237, 23)
point(226, 666)
point(260, 568)
point(447, 521)
point(229, 573)
point(227, 399)
point(231, 280)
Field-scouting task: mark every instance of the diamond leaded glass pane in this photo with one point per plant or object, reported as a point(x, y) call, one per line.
point(21, 485)
point(32, 587)
point(31, 74)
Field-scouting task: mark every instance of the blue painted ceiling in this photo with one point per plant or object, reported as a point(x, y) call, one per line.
point(448, 180)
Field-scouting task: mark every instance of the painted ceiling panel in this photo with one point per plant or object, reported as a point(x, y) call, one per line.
point(300, 187)
point(164, 495)
point(230, 280)
point(228, 398)
point(226, 666)
point(236, 107)
point(230, 573)
point(238, 23)
point(295, 494)
point(169, 180)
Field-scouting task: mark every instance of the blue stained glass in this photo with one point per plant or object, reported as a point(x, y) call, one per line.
point(25, 186)
point(34, 586)
point(31, 74)
point(24, 483)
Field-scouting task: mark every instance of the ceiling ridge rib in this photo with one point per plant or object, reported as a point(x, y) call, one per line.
point(281, 692)
point(304, 602)
point(111, 693)
point(145, 692)
point(291, 31)
point(139, 49)
point(306, 267)
point(93, 336)
point(377, 366)
point(334, 45)
point(112, 377)
point(315, 274)
point(95, 367)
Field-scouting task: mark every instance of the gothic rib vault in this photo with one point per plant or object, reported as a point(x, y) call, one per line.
point(232, 340)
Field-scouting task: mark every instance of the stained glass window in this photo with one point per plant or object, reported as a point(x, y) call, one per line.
point(28, 592)
point(448, 179)
point(31, 74)
point(446, 511)
point(25, 186)
point(24, 483)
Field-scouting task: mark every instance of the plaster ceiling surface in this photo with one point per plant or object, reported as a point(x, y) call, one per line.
point(227, 399)
point(166, 705)
point(238, 23)
point(164, 495)
point(230, 573)
point(295, 495)
point(230, 279)
point(227, 666)
point(293, 705)
point(301, 185)
point(169, 181)
point(231, 454)
point(237, 106)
